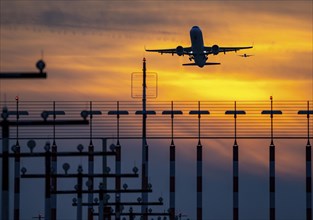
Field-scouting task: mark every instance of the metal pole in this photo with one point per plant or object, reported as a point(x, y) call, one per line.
point(172, 181)
point(118, 181)
point(235, 172)
point(54, 171)
point(199, 161)
point(107, 213)
point(118, 166)
point(308, 183)
point(272, 210)
point(235, 162)
point(172, 169)
point(235, 182)
point(172, 162)
point(272, 181)
point(17, 160)
point(144, 182)
point(101, 207)
point(47, 182)
point(272, 169)
point(199, 181)
point(104, 166)
point(199, 170)
point(90, 168)
point(16, 149)
point(5, 165)
point(308, 172)
point(79, 193)
point(90, 179)
point(54, 182)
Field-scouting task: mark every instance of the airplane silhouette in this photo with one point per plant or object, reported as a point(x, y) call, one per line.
point(245, 55)
point(198, 52)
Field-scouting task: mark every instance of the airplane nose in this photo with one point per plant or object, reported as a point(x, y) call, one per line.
point(195, 29)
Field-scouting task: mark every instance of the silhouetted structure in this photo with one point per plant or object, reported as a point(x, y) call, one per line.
point(308, 167)
point(100, 128)
point(272, 212)
point(26, 75)
point(199, 160)
point(235, 112)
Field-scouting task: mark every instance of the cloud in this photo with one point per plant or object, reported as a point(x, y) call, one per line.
point(82, 16)
point(296, 9)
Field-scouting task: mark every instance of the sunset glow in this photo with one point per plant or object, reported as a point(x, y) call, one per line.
point(86, 54)
point(91, 48)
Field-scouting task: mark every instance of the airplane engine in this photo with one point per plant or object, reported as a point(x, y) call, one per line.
point(215, 49)
point(180, 50)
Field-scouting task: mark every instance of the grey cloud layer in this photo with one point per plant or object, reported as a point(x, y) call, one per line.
point(101, 16)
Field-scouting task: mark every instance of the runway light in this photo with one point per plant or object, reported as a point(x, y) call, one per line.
point(118, 113)
point(145, 112)
point(66, 167)
point(305, 112)
point(101, 186)
point(231, 112)
point(107, 170)
point(40, 65)
point(139, 199)
point(125, 186)
point(47, 146)
point(23, 170)
point(172, 112)
point(204, 112)
point(80, 169)
point(31, 144)
point(80, 148)
point(135, 170)
point(107, 197)
point(271, 112)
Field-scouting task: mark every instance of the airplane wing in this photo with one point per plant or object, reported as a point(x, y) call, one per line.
point(194, 64)
point(216, 49)
point(178, 50)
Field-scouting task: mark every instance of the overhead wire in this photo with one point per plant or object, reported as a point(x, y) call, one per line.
point(216, 124)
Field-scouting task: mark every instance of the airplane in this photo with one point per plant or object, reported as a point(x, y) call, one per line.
point(198, 52)
point(245, 55)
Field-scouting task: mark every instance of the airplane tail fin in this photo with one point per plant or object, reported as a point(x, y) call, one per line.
point(193, 64)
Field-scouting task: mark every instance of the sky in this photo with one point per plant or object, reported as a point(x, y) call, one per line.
point(91, 48)
point(89, 52)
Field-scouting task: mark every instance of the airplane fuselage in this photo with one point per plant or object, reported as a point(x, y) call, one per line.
point(197, 46)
